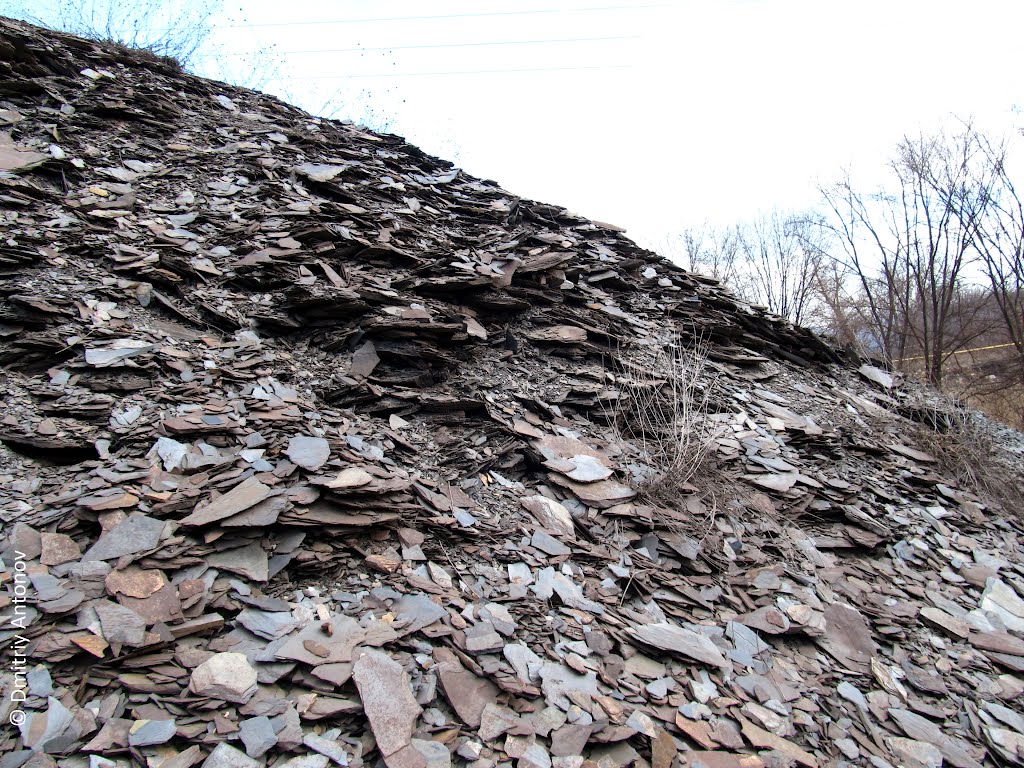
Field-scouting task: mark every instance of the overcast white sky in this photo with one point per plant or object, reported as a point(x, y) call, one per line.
point(653, 115)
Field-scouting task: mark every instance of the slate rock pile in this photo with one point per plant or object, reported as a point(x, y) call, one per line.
point(313, 453)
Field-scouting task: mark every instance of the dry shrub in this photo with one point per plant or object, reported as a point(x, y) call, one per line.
point(1004, 402)
point(970, 449)
point(662, 411)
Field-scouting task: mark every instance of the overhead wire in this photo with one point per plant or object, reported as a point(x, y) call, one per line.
point(439, 45)
point(452, 72)
point(483, 14)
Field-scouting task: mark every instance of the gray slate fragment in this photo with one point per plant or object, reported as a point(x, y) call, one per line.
point(310, 453)
point(852, 694)
point(101, 358)
point(588, 469)
point(39, 681)
point(877, 375)
point(481, 638)
point(267, 624)
point(557, 681)
point(568, 591)
point(922, 729)
point(524, 661)
point(138, 533)
point(1000, 599)
point(849, 748)
point(120, 624)
point(288, 727)
point(915, 754)
point(419, 610)
point(327, 747)
point(250, 560)
point(546, 720)
point(345, 634)
point(226, 756)
point(570, 739)
point(435, 753)
point(26, 540)
point(46, 731)
point(16, 759)
point(259, 515)
point(550, 514)
point(257, 734)
point(319, 171)
point(306, 761)
point(364, 360)
point(244, 495)
point(676, 639)
point(225, 676)
point(548, 544)
point(496, 720)
point(145, 733)
point(171, 452)
point(535, 756)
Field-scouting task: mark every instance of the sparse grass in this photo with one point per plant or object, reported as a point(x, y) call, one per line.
point(999, 396)
point(993, 385)
point(152, 57)
point(968, 448)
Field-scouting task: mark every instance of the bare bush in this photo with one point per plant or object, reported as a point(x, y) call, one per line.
point(968, 448)
point(663, 413)
point(171, 30)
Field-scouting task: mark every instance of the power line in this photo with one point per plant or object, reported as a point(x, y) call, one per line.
point(453, 72)
point(438, 45)
point(442, 16)
point(957, 352)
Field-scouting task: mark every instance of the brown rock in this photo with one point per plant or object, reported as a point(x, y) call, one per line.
point(848, 637)
point(759, 737)
point(550, 515)
point(58, 548)
point(663, 749)
point(699, 759)
point(135, 582)
point(696, 730)
point(385, 562)
point(942, 620)
point(467, 693)
point(388, 702)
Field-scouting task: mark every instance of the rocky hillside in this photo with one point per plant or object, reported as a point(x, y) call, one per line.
point(318, 450)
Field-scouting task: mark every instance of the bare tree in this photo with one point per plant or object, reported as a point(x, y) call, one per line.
point(781, 257)
point(861, 250)
point(909, 247)
point(772, 261)
point(1000, 242)
point(712, 251)
point(942, 201)
point(836, 314)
